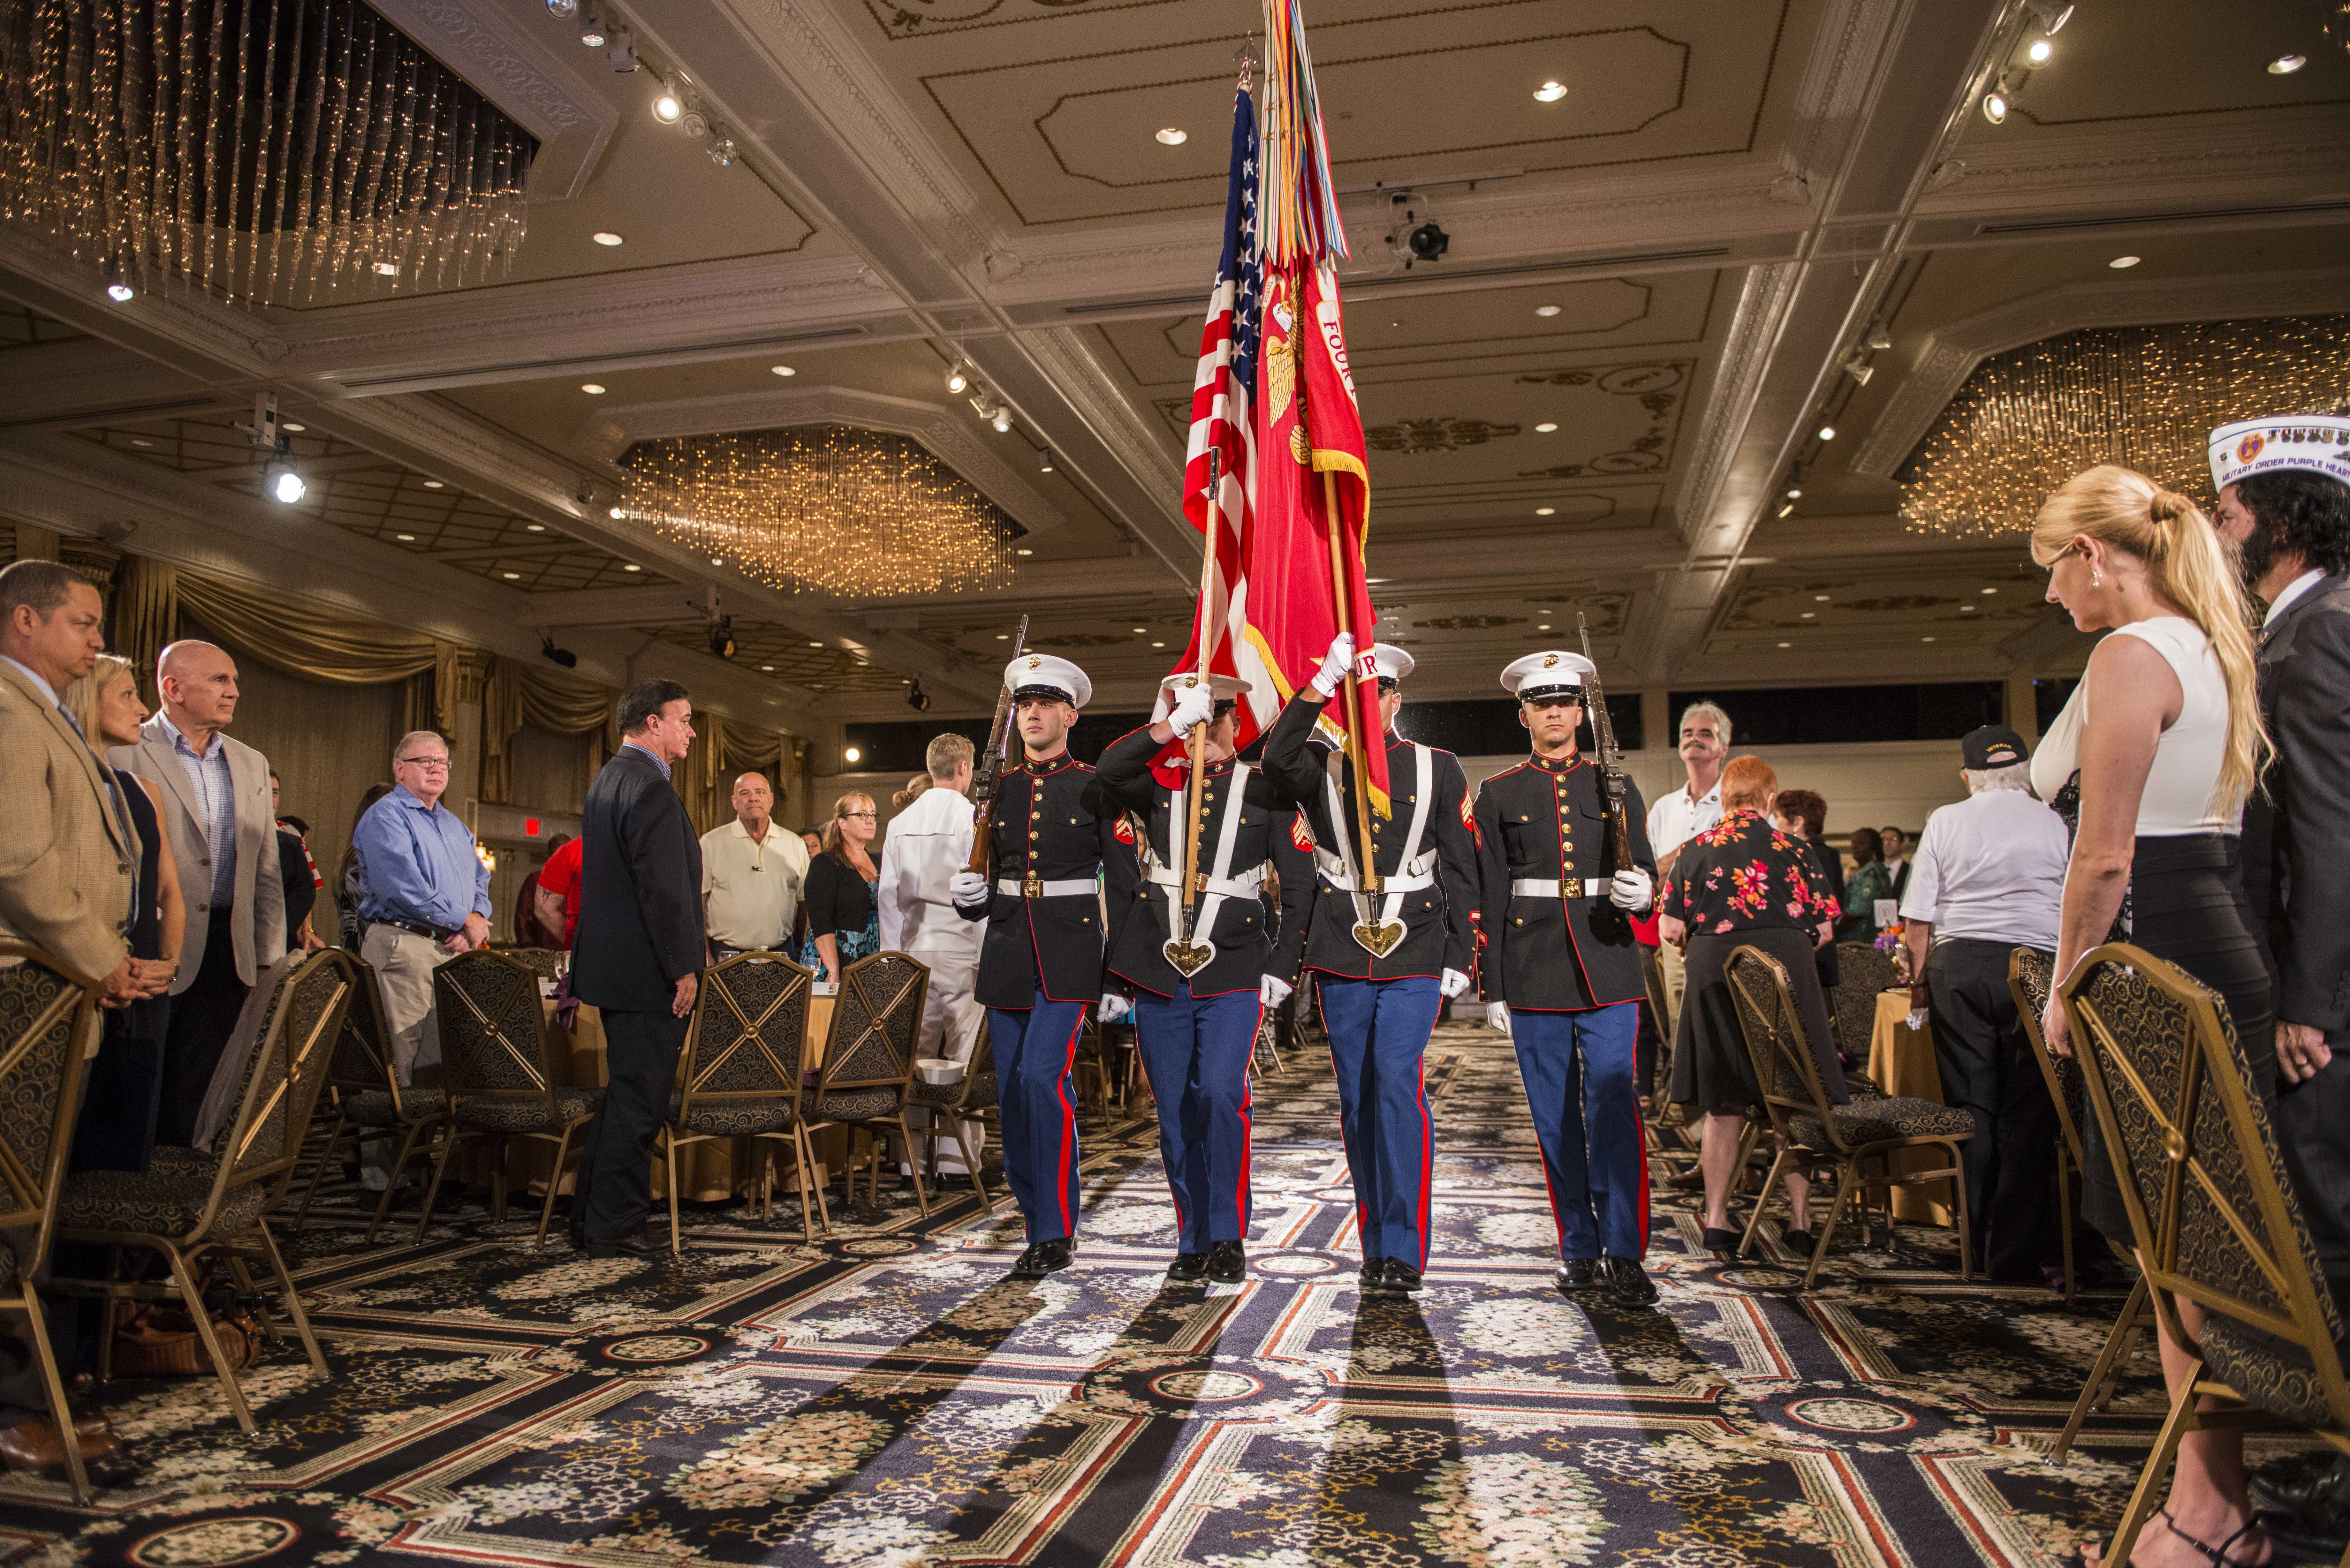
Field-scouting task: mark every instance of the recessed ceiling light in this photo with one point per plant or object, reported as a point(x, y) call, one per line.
point(607, 238)
point(1023, 551)
point(1545, 427)
point(1966, 609)
point(717, 560)
point(2286, 64)
point(434, 484)
point(815, 645)
point(1174, 136)
point(1807, 615)
point(291, 428)
point(2039, 52)
point(511, 577)
point(1543, 627)
point(534, 527)
point(1545, 310)
point(1828, 432)
point(1550, 92)
point(1157, 645)
point(1925, 640)
point(141, 440)
point(2120, 261)
point(1004, 636)
point(1819, 599)
point(784, 370)
point(1787, 644)
point(593, 389)
point(1990, 590)
point(1546, 511)
point(405, 539)
point(631, 566)
point(1140, 629)
point(768, 667)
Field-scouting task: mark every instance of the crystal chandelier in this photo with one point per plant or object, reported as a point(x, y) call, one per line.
point(2145, 397)
point(266, 151)
point(830, 509)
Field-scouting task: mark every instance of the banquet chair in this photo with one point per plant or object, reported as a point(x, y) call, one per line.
point(547, 963)
point(46, 1020)
point(741, 1073)
point(192, 1206)
point(2030, 974)
point(1862, 975)
point(970, 1098)
point(1846, 1137)
point(499, 1086)
point(1666, 1125)
point(869, 1060)
point(2211, 1210)
point(369, 1098)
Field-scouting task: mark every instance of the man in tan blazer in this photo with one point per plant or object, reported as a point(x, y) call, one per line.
point(223, 835)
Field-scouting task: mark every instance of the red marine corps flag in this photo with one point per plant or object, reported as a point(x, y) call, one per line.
point(1313, 494)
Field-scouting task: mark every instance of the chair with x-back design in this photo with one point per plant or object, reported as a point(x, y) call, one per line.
point(869, 1058)
point(1843, 1138)
point(743, 1069)
point(2214, 1216)
point(46, 1020)
point(970, 1098)
point(196, 1206)
point(493, 1043)
point(370, 1101)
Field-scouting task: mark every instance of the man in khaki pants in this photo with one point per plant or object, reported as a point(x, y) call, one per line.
point(1681, 815)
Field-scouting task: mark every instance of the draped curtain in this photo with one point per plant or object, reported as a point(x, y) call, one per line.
point(146, 617)
point(518, 692)
point(723, 751)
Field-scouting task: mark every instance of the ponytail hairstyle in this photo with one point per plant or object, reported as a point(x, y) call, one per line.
point(2128, 511)
point(914, 790)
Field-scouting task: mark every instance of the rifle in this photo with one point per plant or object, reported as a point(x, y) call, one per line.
point(1611, 759)
point(991, 764)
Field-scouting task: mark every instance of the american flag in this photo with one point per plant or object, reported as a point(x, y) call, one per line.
point(1224, 405)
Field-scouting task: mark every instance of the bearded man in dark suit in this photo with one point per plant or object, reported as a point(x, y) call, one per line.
point(638, 958)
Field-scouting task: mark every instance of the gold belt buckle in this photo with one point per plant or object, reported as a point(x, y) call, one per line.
point(1570, 887)
point(1032, 885)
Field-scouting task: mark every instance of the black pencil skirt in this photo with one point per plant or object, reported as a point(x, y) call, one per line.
point(1711, 1068)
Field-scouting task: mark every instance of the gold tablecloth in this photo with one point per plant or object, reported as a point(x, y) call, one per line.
point(1901, 1060)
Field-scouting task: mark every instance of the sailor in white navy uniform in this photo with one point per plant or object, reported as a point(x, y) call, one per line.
point(1053, 837)
point(1200, 989)
point(1383, 966)
point(1560, 972)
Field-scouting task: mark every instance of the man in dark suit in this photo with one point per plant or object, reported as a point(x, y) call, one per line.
point(636, 958)
point(2284, 507)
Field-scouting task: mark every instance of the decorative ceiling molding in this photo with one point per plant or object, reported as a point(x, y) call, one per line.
point(1127, 429)
point(2283, 154)
point(1746, 350)
point(512, 66)
point(609, 432)
point(1951, 354)
point(1837, 83)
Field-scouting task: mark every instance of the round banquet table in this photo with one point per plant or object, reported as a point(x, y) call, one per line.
point(1901, 1061)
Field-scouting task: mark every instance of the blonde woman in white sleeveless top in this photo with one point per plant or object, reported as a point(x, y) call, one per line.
point(2163, 739)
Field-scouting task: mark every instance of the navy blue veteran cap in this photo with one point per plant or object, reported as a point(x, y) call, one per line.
point(1993, 746)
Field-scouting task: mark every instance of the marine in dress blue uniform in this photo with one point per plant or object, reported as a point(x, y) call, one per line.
point(1053, 837)
point(1196, 1020)
point(1379, 1002)
point(1560, 972)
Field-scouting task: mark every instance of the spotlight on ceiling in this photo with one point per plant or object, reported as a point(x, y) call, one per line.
point(2051, 17)
point(1787, 508)
point(607, 238)
point(667, 106)
point(2286, 64)
point(1550, 92)
point(958, 378)
point(2039, 52)
point(1858, 367)
point(553, 655)
point(118, 285)
point(1794, 493)
point(722, 149)
point(1002, 419)
point(2121, 264)
point(622, 56)
point(563, 10)
point(916, 700)
point(278, 478)
point(1429, 241)
point(619, 513)
point(1173, 135)
point(1879, 334)
point(722, 637)
point(591, 29)
point(1828, 432)
point(1044, 461)
point(1995, 106)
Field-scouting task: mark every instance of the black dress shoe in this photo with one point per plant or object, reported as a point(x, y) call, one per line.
point(1801, 1242)
point(1629, 1283)
point(1578, 1274)
point(1372, 1274)
point(1188, 1266)
point(634, 1246)
point(1227, 1263)
point(1043, 1258)
point(1401, 1277)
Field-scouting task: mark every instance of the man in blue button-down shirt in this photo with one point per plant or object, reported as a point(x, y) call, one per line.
point(427, 897)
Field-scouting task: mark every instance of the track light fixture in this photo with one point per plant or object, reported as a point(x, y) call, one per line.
point(622, 56)
point(2051, 15)
point(722, 637)
point(592, 32)
point(1995, 106)
point(1879, 335)
point(282, 484)
point(916, 700)
point(958, 378)
point(1858, 366)
point(1044, 461)
point(693, 122)
point(722, 148)
point(553, 655)
point(563, 10)
point(1002, 419)
point(117, 283)
point(669, 108)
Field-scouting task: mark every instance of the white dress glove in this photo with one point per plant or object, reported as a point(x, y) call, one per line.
point(1497, 1016)
point(1631, 889)
point(1272, 990)
point(1194, 707)
point(969, 890)
point(1334, 665)
point(1452, 984)
point(1113, 1008)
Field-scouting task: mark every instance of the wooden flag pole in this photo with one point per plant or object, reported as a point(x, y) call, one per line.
point(1356, 751)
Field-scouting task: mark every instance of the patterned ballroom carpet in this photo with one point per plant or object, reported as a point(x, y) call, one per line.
point(882, 1398)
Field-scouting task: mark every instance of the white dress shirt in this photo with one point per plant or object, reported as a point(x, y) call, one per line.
point(751, 888)
point(1991, 868)
point(1675, 818)
point(929, 842)
point(2293, 591)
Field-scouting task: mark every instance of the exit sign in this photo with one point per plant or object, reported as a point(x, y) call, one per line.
point(530, 826)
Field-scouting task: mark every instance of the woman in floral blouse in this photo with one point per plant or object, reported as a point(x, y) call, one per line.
point(1744, 883)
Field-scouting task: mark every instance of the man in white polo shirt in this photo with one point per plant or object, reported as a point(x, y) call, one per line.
point(1989, 877)
point(752, 874)
point(1679, 815)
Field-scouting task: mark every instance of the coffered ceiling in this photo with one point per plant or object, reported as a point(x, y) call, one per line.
point(1594, 401)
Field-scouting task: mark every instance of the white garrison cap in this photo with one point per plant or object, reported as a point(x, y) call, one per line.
point(1225, 687)
point(1392, 662)
point(2318, 444)
point(1548, 674)
point(1047, 675)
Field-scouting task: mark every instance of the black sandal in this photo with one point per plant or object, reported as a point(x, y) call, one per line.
point(2217, 1555)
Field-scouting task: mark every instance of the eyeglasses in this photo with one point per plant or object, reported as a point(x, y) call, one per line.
point(866, 813)
point(430, 765)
